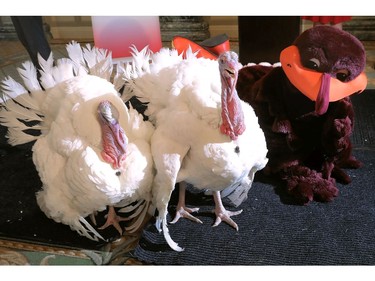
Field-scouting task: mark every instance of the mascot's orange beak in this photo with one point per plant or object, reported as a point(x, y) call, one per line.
point(310, 82)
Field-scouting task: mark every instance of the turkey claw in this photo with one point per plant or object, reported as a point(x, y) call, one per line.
point(184, 212)
point(115, 224)
point(113, 219)
point(225, 216)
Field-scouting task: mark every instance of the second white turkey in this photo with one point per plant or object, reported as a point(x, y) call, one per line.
point(204, 134)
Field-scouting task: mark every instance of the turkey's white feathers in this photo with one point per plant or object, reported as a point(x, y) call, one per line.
point(17, 111)
point(46, 65)
point(183, 99)
point(98, 61)
point(13, 90)
point(20, 105)
point(118, 79)
point(138, 213)
point(46, 80)
point(63, 70)
point(77, 182)
point(17, 137)
point(75, 53)
point(86, 231)
point(140, 62)
point(29, 76)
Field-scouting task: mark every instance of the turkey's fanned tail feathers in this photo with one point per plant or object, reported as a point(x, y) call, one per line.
point(21, 110)
point(146, 65)
point(29, 76)
point(75, 53)
point(86, 231)
point(13, 90)
point(138, 213)
point(46, 79)
point(23, 102)
point(98, 61)
point(144, 62)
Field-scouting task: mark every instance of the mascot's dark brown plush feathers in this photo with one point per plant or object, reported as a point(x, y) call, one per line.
point(308, 126)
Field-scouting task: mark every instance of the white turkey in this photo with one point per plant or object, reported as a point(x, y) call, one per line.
point(204, 134)
point(92, 151)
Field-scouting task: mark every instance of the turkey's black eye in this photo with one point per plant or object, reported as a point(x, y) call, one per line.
point(237, 149)
point(342, 75)
point(313, 64)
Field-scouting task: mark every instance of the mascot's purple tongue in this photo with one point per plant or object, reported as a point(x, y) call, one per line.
point(322, 100)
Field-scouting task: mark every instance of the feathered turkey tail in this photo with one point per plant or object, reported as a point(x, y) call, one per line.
point(81, 61)
point(138, 214)
point(20, 109)
point(144, 62)
point(46, 79)
point(94, 61)
point(84, 228)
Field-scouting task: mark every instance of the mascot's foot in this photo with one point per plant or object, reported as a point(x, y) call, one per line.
point(306, 185)
point(340, 175)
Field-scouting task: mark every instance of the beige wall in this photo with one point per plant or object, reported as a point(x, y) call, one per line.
point(223, 24)
point(70, 27)
point(79, 27)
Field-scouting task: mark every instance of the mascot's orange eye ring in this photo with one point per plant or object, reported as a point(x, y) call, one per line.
point(308, 81)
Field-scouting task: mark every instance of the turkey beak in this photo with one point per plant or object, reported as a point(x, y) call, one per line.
point(230, 77)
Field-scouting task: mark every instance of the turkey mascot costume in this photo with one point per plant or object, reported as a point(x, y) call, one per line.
point(304, 109)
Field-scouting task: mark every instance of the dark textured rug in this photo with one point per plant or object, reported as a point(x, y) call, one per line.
point(271, 232)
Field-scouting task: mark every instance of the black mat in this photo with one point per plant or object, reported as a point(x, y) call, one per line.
point(271, 232)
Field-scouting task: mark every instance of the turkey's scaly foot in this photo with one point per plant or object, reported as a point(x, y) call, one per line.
point(181, 210)
point(113, 219)
point(184, 212)
point(224, 215)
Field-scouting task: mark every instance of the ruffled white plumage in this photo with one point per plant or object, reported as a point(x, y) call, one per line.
point(183, 99)
point(67, 152)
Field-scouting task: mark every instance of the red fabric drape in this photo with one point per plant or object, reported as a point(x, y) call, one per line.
point(327, 19)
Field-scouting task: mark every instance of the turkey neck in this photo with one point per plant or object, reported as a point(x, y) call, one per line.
point(114, 139)
point(231, 110)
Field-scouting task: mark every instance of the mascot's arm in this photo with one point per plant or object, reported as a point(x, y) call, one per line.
point(336, 141)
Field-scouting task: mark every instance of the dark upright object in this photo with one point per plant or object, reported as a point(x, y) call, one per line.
point(31, 34)
point(262, 38)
